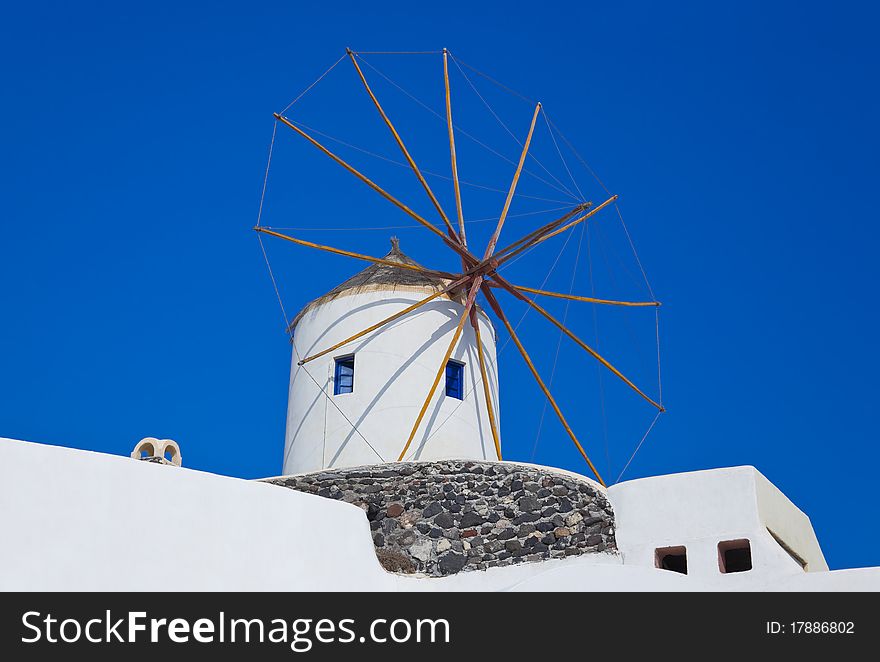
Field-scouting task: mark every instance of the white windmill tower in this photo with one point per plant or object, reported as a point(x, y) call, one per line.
point(372, 388)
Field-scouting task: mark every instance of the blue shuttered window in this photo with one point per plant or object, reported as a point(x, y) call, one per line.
point(455, 380)
point(343, 377)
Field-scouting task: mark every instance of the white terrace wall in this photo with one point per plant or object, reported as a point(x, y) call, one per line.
point(75, 520)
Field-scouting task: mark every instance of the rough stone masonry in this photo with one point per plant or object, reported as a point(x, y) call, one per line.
point(439, 518)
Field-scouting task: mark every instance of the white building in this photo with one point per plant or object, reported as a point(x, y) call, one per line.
point(339, 419)
point(75, 520)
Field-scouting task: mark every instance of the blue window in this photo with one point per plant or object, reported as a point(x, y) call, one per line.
point(343, 377)
point(455, 380)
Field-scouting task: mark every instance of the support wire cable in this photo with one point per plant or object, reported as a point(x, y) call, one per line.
point(318, 80)
point(650, 427)
point(289, 331)
point(578, 156)
point(558, 343)
point(506, 128)
point(488, 219)
point(495, 82)
point(599, 373)
point(396, 52)
point(266, 176)
point(401, 164)
point(561, 157)
point(465, 133)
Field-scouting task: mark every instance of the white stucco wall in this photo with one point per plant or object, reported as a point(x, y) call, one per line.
point(77, 520)
point(394, 369)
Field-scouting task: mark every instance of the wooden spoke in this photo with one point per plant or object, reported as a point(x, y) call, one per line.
point(490, 248)
point(358, 256)
point(472, 295)
point(475, 323)
point(493, 302)
point(574, 297)
point(507, 286)
point(490, 264)
point(455, 183)
point(577, 220)
point(544, 228)
point(406, 154)
point(390, 318)
point(550, 231)
point(453, 244)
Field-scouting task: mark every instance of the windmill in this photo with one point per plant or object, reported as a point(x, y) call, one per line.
point(479, 272)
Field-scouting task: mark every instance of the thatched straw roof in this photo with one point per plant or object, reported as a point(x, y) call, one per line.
point(382, 277)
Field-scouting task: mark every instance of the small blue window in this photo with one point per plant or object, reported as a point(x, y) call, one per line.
point(455, 380)
point(343, 378)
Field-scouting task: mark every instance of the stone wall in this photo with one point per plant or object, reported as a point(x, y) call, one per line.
point(439, 518)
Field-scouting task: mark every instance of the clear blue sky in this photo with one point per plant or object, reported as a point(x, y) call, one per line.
point(742, 138)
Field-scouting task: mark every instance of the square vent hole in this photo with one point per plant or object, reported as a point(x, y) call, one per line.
point(671, 558)
point(734, 556)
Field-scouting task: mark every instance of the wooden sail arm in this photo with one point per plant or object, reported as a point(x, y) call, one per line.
point(544, 228)
point(449, 127)
point(409, 159)
point(496, 307)
point(519, 295)
point(550, 230)
point(358, 256)
point(490, 248)
point(491, 263)
point(360, 334)
point(574, 297)
point(453, 244)
point(571, 224)
point(472, 295)
point(487, 392)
